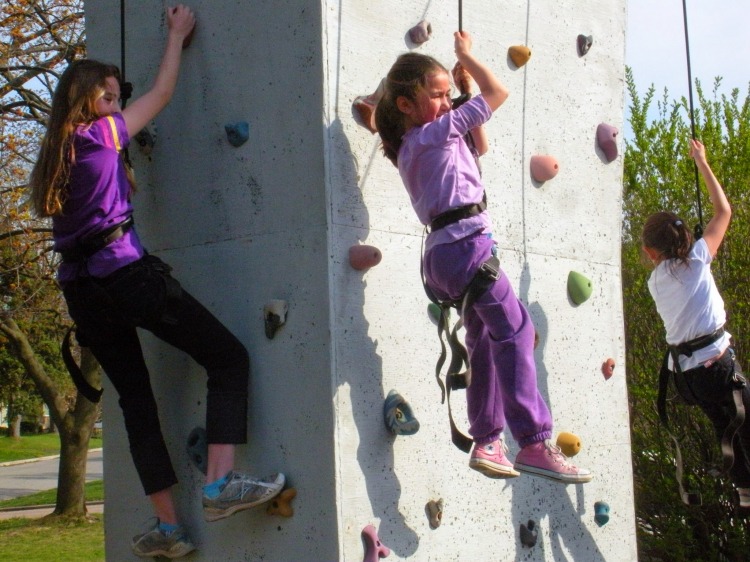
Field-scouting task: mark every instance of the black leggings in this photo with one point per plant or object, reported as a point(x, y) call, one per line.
point(711, 389)
point(143, 294)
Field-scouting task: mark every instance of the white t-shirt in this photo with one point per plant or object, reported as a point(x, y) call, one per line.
point(689, 303)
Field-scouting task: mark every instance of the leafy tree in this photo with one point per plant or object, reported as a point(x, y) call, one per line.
point(39, 38)
point(659, 175)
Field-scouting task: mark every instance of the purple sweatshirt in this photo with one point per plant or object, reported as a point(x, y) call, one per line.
point(440, 173)
point(99, 197)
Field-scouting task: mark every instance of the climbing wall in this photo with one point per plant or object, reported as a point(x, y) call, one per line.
point(269, 210)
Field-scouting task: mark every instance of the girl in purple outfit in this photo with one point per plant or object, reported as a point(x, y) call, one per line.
point(112, 286)
point(425, 140)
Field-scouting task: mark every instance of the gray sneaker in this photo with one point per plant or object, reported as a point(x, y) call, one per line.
point(242, 492)
point(156, 543)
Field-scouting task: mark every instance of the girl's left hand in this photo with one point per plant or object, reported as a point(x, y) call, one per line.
point(461, 78)
point(180, 20)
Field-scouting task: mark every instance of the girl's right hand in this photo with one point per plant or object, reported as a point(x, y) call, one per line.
point(697, 151)
point(180, 20)
point(462, 43)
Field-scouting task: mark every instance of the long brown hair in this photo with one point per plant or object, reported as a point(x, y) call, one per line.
point(73, 104)
point(666, 233)
point(406, 76)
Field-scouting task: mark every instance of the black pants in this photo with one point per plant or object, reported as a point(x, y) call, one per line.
point(143, 294)
point(711, 388)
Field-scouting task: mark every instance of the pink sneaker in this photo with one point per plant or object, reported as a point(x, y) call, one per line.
point(490, 460)
point(545, 459)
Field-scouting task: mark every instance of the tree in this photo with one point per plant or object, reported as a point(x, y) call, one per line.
point(39, 38)
point(659, 175)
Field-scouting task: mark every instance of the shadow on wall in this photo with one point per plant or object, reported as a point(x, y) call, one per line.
point(375, 450)
point(550, 500)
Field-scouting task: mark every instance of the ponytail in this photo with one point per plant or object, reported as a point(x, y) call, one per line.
point(406, 76)
point(666, 233)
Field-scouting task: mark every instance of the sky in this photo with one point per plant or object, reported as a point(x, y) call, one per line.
point(719, 44)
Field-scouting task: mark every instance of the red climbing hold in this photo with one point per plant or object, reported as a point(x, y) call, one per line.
point(364, 257)
point(543, 167)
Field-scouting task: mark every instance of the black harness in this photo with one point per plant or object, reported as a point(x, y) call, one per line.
point(665, 375)
point(80, 253)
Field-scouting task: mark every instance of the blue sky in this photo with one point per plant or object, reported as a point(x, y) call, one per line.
point(719, 44)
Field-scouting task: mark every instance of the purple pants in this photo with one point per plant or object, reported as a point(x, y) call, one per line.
point(500, 342)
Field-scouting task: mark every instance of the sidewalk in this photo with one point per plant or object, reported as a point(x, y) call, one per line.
point(38, 511)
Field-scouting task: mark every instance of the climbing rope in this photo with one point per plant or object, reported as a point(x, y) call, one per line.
point(460, 15)
point(698, 230)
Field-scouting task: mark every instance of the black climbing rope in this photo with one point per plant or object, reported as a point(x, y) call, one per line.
point(126, 88)
point(460, 15)
point(698, 230)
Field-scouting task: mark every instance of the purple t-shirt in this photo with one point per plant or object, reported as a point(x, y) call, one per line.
point(98, 198)
point(440, 173)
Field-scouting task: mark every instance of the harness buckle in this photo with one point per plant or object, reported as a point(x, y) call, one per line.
point(491, 268)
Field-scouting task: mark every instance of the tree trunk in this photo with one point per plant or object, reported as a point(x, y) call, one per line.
point(16, 427)
point(71, 478)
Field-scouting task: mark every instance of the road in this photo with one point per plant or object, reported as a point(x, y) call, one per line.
point(21, 479)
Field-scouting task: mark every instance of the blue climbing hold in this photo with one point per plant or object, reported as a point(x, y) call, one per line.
point(601, 513)
point(237, 133)
point(398, 415)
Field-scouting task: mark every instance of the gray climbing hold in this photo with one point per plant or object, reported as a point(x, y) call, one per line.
point(420, 33)
point(584, 43)
point(197, 449)
point(529, 533)
point(274, 315)
point(398, 415)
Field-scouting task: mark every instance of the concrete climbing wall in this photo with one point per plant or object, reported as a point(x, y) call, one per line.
point(275, 218)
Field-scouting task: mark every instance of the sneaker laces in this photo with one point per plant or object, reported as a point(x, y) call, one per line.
point(557, 455)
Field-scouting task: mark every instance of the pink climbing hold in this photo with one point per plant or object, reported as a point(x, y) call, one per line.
point(543, 167)
point(363, 256)
point(365, 106)
point(421, 32)
point(374, 549)
point(606, 138)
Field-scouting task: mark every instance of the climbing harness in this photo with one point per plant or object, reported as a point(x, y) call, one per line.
point(698, 230)
point(455, 378)
point(87, 247)
point(665, 375)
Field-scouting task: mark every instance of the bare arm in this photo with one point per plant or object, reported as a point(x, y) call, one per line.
point(462, 80)
point(181, 21)
point(717, 226)
point(492, 90)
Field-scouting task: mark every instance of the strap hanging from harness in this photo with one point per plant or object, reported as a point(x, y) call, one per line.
point(455, 379)
point(665, 375)
point(89, 392)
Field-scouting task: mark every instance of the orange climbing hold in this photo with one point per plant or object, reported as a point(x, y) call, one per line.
point(365, 107)
point(569, 444)
point(608, 368)
point(282, 504)
point(519, 54)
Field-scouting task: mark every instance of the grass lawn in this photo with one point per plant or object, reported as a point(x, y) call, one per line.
point(34, 446)
point(39, 540)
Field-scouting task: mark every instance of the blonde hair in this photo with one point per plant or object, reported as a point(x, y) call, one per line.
point(73, 104)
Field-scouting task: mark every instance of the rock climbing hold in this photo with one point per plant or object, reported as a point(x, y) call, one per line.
point(579, 287)
point(197, 449)
point(146, 141)
point(601, 513)
point(374, 549)
point(529, 533)
point(433, 309)
point(569, 444)
point(606, 138)
point(274, 315)
point(434, 511)
point(536, 339)
point(189, 39)
point(363, 256)
point(608, 368)
point(237, 133)
point(543, 167)
point(398, 415)
point(420, 32)
point(282, 504)
point(365, 106)
point(584, 43)
point(519, 54)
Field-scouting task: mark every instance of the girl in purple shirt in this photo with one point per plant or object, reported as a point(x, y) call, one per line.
point(112, 286)
point(425, 138)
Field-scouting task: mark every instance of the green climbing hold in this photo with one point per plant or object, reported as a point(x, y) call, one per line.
point(433, 309)
point(579, 287)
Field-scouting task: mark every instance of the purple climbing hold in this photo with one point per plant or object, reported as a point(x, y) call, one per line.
point(374, 549)
point(606, 138)
point(421, 32)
